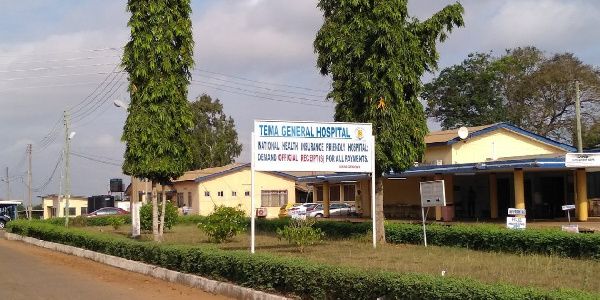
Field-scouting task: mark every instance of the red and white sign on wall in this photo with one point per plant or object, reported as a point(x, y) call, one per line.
point(308, 146)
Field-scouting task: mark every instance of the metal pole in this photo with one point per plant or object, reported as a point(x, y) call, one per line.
point(7, 186)
point(373, 192)
point(29, 179)
point(252, 235)
point(424, 230)
point(67, 177)
point(59, 189)
point(578, 118)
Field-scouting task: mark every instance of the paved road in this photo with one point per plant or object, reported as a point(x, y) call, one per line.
point(30, 272)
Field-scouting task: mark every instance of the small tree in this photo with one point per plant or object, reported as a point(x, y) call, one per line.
point(224, 223)
point(301, 233)
point(170, 216)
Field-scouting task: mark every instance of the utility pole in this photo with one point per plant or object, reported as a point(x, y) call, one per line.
point(67, 150)
point(29, 175)
point(7, 186)
point(57, 214)
point(578, 117)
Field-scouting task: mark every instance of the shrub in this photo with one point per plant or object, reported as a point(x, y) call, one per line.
point(298, 278)
point(171, 216)
point(301, 233)
point(115, 222)
point(224, 223)
point(79, 221)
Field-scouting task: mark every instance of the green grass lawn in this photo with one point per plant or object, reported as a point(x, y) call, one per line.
point(543, 272)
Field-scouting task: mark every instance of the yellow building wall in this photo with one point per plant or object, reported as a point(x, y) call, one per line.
point(506, 143)
point(433, 154)
point(239, 182)
point(50, 202)
point(185, 188)
point(402, 198)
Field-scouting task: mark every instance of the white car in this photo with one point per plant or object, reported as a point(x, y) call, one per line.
point(300, 209)
point(335, 210)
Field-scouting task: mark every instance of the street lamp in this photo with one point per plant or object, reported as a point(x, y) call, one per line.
point(134, 204)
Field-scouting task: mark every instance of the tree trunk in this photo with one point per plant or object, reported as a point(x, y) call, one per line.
point(155, 233)
point(161, 227)
point(379, 218)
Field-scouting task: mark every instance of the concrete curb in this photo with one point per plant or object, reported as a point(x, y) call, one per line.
point(207, 285)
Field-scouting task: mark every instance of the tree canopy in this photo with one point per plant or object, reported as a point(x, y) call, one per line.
point(214, 138)
point(524, 87)
point(376, 54)
point(158, 58)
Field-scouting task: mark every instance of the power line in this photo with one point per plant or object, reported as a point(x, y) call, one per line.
point(261, 97)
point(56, 76)
point(260, 93)
point(51, 86)
point(96, 160)
point(58, 60)
point(260, 87)
point(41, 188)
point(263, 82)
point(57, 68)
point(99, 103)
point(62, 52)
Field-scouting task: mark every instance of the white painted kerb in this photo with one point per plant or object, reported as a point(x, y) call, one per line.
point(195, 281)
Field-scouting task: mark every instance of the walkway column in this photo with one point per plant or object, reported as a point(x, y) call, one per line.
point(326, 199)
point(519, 190)
point(449, 190)
point(582, 201)
point(438, 209)
point(493, 196)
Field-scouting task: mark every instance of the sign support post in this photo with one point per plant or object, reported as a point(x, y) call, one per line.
point(252, 231)
point(373, 192)
point(432, 194)
point(424, 230)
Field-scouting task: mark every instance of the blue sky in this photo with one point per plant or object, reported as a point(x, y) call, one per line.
point(256, 56)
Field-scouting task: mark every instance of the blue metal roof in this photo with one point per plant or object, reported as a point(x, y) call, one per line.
point(334, 177)
point(558, 162)
point(512, 128)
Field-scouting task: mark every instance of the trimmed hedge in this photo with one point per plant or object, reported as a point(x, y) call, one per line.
point(85, 221)
point(290, 276)
point(497, 239)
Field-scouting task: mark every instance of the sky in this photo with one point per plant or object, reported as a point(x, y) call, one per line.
point(255, 56)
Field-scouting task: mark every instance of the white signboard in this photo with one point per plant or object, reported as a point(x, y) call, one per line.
point(515, 223)
point(568, 207)
point(582, 160)
point(432, 193)
point(308, 146)
point(570, 228)
point(516, 211)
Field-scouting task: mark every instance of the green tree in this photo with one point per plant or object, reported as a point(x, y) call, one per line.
point(524, 87)
point(157, 58)
point(466, 95)
point(214, 138)
point(224, 223)
point(376, 54)
point(170, 216)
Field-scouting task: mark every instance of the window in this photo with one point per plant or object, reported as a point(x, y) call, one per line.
point(72, 211)
point(220, 193)
point(190, 199)
point(247, 193)
point(273, 198)
point(233, 194)
point(179, 199)
point(319, 194)
point(334, 193)
point(349, 192)
point(84, 210)
point(206, 194)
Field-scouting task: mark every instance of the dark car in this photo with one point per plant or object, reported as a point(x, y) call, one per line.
point(108, 211)
point(3, 220)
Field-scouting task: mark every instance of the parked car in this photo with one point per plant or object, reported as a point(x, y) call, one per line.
point(335, 210)
point(300, 209)
point(107, 211)
point(284, 208)
point(3, 220)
